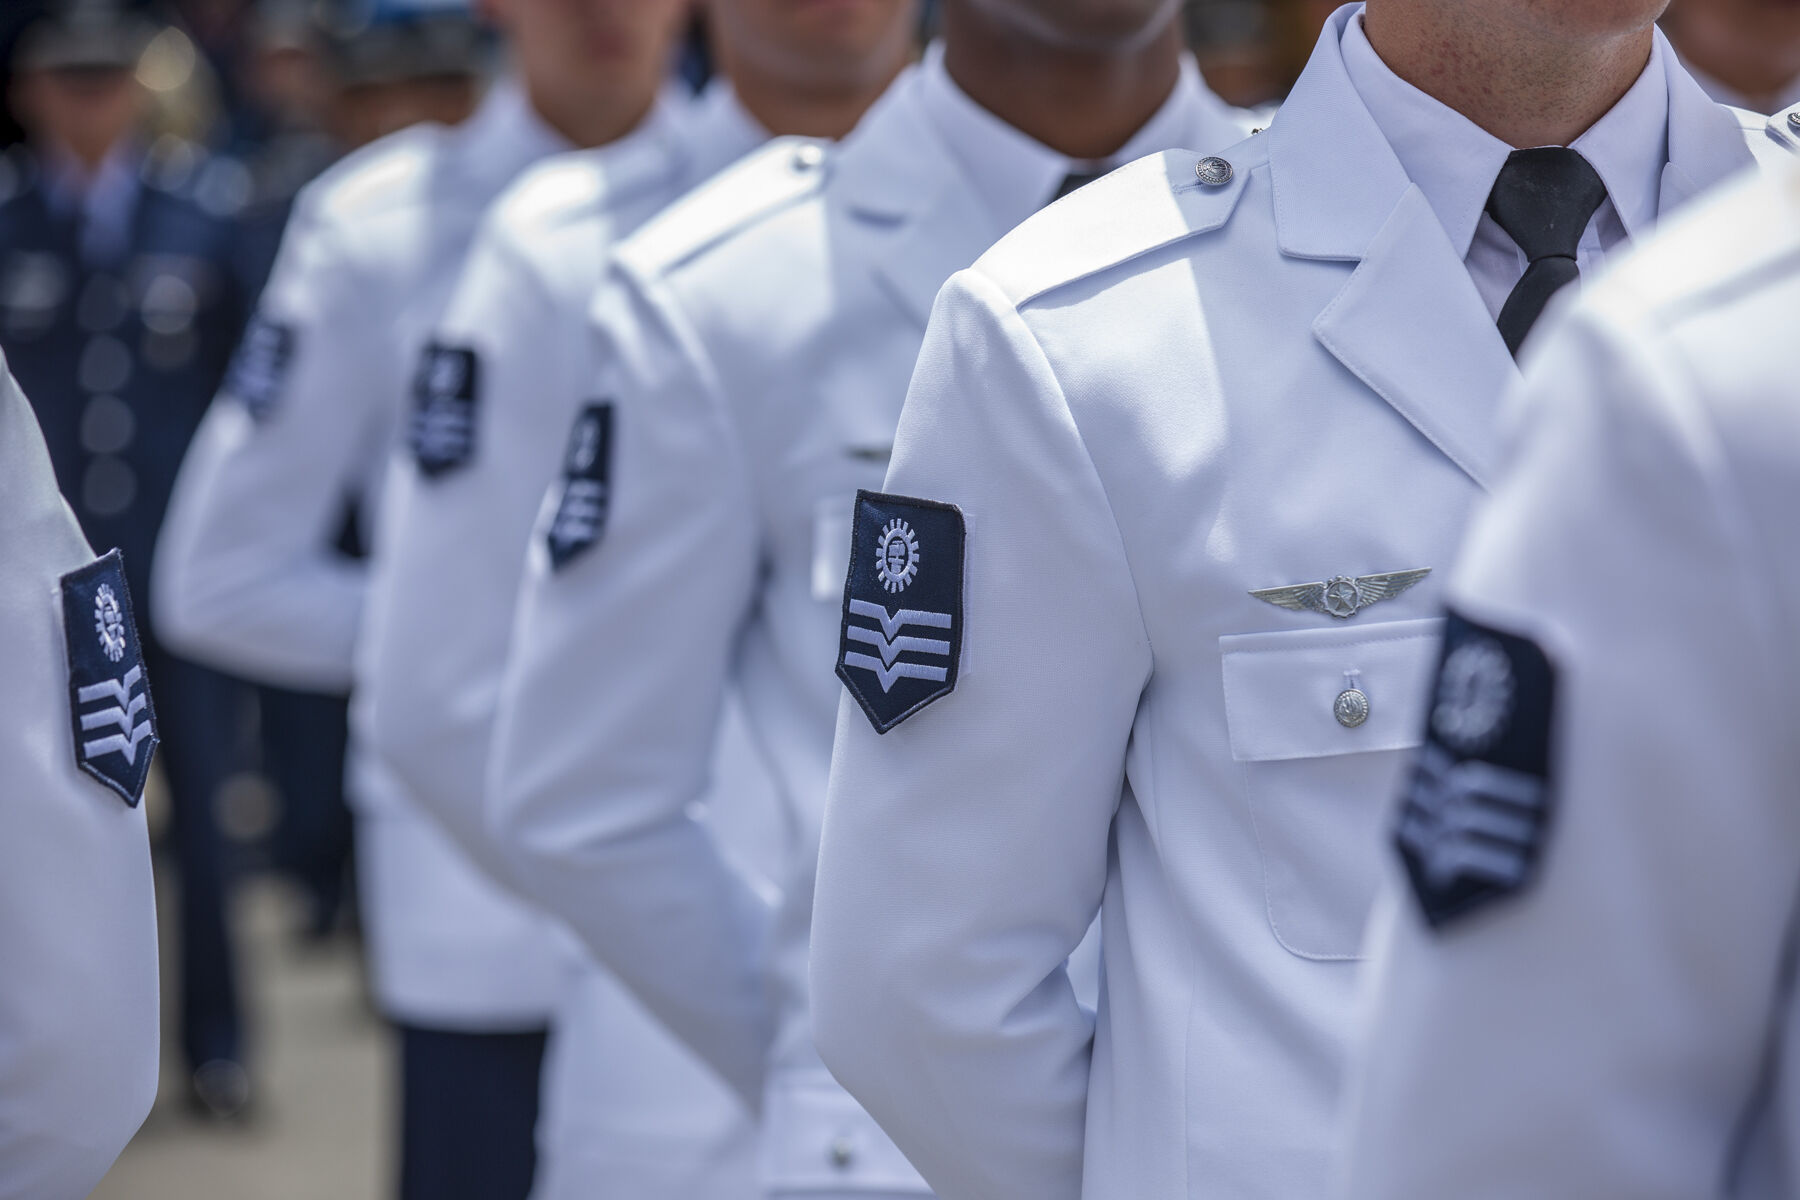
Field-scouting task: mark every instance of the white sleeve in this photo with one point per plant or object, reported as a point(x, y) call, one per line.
point(965, 851)
point(247, 577)
point(1602, 1031)
point(78, 998)
point(453, 548)
point(610, 706)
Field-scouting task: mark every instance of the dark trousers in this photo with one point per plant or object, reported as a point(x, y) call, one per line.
point(304, 736)
point(468, 1112)
point(198, 714)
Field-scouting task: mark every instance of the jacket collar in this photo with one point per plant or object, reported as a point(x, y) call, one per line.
point(1409, 322)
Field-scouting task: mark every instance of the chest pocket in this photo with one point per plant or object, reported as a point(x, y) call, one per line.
point(1322, 723)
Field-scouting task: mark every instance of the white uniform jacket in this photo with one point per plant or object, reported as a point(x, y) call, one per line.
point(247, 573)
point(1622, 1020)
point(758, 341)
point(78, 1005)
point(631, 1110)
point(1186, 382)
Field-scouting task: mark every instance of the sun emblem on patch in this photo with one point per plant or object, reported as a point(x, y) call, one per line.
point(897, 555)
point(1474, 696)
point(109, 623)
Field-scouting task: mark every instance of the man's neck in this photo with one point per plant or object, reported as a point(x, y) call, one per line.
point(822, 111)
point(1525, 84)
point(1086, 105)
point(585, 124)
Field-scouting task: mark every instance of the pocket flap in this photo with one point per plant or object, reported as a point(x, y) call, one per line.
point(1281, 689)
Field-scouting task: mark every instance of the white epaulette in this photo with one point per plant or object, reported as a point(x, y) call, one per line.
point(1139, 208)
point(558, 185)
point(1784, 128)
point(769, 179)
point(390, 170)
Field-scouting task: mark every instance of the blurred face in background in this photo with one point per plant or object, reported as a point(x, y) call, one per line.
point(825, 46)
point(579, 56)
point(83, 111)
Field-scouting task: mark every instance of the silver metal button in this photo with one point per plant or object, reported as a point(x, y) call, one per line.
point(1794, 121)
point(843, 1153)
point(1213, 172)
point(1351, 708)
point(808, 158)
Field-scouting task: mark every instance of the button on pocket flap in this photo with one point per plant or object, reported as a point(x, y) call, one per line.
point(1310, 693)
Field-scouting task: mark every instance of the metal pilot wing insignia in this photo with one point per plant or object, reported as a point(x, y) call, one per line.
point(586, 486)
point(442, 429)
point(901, 638)
point(1476, 813)
point(1342, 596)
point(111, 714)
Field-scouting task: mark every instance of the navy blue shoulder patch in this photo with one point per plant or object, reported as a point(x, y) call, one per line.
point(111, 714)
point(1477, 811)
point(258, 370)
point(442, 430)
point(901, 640)
point(586, 485)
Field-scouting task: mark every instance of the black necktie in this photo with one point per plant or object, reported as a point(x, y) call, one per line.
point(1071, 181)
point(1544, 199)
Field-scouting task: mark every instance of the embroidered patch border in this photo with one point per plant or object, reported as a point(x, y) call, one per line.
point(112, 717)
point(900, 641)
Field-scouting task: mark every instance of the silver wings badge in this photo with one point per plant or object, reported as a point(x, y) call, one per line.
point(1342, 596)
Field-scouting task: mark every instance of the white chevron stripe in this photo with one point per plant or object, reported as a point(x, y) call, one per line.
point(117, 742)
point(891, 625)
point(892, 648)
point(890, 675)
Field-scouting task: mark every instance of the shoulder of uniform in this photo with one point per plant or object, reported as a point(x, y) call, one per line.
point(1141, 207)
point(388, 172)
point(550, 190)
point(1723, 243)
point(777, 175)
point(1784, 128)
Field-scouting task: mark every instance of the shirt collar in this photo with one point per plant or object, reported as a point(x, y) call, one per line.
point(1014, 174)
point(1454, 162)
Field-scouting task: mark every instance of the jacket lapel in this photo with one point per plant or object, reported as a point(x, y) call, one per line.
point(1408, 322)
point(1411, 326)
point(917, 222)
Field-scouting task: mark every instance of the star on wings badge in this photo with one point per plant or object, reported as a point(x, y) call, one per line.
point(1341, 596)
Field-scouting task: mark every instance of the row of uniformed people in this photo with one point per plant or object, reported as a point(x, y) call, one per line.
point(370, 362)
point(1166, 443)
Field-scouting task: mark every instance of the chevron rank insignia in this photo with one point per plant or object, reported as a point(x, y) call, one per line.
point(259, 369)
point(112, 718)
point(902, 631)
point(1477, 811)
point(441, 431)
point(586, 487)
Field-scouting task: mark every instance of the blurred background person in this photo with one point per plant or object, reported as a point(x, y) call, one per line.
point(120, 302)
point(1743, 52)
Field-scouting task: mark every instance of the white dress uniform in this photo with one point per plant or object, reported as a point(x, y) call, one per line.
point(78, 1056)
point(635, 1112)
point(1272, 369)
point(246, 573)
point(758, 336)
point(1604, 1001)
